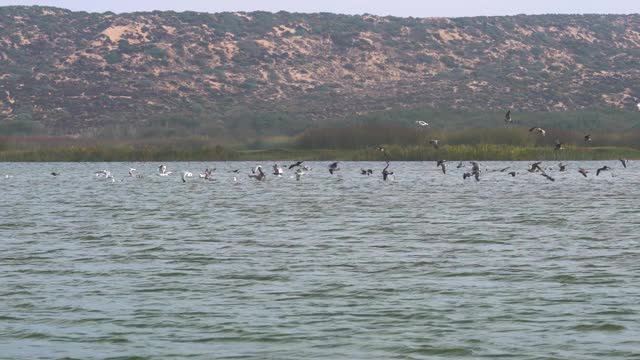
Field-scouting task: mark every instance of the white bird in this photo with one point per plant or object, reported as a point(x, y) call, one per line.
point(299, 174)
point(277, 170)
point(541, 131)
point(257, 173)
point(185, 175)
point(104, 173)
point(638, 106)
point(162, 171)
point(422, 123)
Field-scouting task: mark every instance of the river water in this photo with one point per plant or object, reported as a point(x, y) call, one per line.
point(426, 266)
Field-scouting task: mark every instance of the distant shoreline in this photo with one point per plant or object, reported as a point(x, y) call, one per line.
point(391, 153)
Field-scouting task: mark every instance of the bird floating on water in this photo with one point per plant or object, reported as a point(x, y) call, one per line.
point(562, 167)
point(55, 174)
point(587, 138)
point(186, 175)
point(257, 173)
point(162, 170)
point(277, 170)
point(367, 172)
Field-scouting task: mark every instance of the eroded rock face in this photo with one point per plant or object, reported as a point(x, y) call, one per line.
point(77, 71)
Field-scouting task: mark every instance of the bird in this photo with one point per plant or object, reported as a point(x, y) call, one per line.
point(235, 171)
point(162, 171)
point(460, 165)
point(133, 174)
point(475, 170)
point(104, 173)
point(583, 172)
point(587, 138)
point(185, 175)
point(434, 142)
point(422, 123)
point(380, 148)
point(624, 162)
point(513, 174)
point(299, 174)
point(562, 167)
point(296, 164)
point(333, 167)
point(277, 170)
point(548, 177)
point(257, 173)
point(385, 173)
point(638, 105)
point(559, 145)
point(539, 130)
point(367, 172)
point(507, 117)
point(443, 165)
point(55, 174)
point(604, 168)
point(208, 174)
point(466, 175)
point(535, 167)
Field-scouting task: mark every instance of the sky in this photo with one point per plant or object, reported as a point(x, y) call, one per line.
point(404, 8)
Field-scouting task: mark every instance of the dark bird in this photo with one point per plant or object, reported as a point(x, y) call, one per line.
point(443, 165)
point(235, 171)
point(583, 172)
point(366, 172)
point(624, 162)
point(604, 168)
point(380, 148)
point(548, 177)
point(539, 130)
point(507, 117)
point(460, 165)
point(513, 174)
point(296, 164)
point(257, 173)
point(434, 142)
point(559, 145)
point(466, 175)
point(587, 138)
point(475, 170)
point(386, 173)
point(562, 167)
point(55, 174)
point(333, 167)
point(535, 167)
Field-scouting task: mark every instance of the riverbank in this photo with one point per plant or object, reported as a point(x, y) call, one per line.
point(391, 153)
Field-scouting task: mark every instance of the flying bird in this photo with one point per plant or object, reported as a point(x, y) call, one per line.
point(257, 173)
point(333, 167)
point(386, 173)
point(587, 138)
point(422, 123)
point(562, 167)
point(548, 177)
point(443, 165)
point(604, 168)
point(535, 167)
point(434, 142)
point(277, 170)
point(296, 164)
point(299, 174)
point(624, 162)
point(559, 145)
point(507, 117)
point(583, 172)
point(541, 131)
point(367, 172)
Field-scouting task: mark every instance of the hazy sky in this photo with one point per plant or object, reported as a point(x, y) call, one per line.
point(418, 8)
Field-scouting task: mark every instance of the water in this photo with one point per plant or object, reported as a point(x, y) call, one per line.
point(426, 266)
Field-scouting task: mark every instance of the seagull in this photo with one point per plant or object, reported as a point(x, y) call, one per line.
point(587, 138)
point(624, 162)
point(333, 167)
point(583, 172)
point(558, 145)
point(104, 173)
point(208, 174)
point(638, 105)
point(277, 170)
point(296, 164)
point(422, 123)
point(367, 172)
point(443, 165)
point(513, 174)
point(55, 174)
point(132, 173)
point(539, 130)
point(185, 175)
point(386, 173)
point(162, 171)
point(535, 167)
point(299, 174)
point(604, 168)
point(562, 167)
point(434, 142)
point(257, 173)
point(507, 117)
point(548, 177)
point(475, 170)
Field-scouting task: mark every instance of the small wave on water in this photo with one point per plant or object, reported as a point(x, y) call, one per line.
point(328, 267)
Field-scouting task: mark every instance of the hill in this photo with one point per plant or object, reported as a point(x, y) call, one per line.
point(67, 72)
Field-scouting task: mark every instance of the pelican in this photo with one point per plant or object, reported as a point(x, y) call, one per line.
point(333, 167)
point(277, 170)
point(296, 164)
point(624, 162)
point(562, 167)
point(422, 123)
point(559, 145)
point(185, 175)
point(443, 165)
point(587, 138)
point(604, 168)
point(257, 173)
point(434, 142)
point(507, 117)
point(541, 131)
point(583, 172)
point(386, 173)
